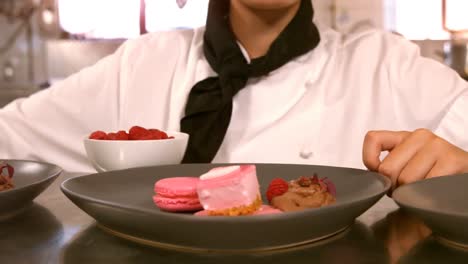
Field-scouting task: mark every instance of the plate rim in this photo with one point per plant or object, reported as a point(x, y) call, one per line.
point(450, 243)
point(189, 217)
point(442, 212)
point(156, 244)
point(53, 175)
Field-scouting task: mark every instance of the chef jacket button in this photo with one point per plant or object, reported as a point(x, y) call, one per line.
point(306, 154)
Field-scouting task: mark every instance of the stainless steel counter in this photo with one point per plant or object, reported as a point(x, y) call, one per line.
point(54, 230)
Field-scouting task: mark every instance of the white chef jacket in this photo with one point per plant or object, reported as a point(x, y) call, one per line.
point(316, 109)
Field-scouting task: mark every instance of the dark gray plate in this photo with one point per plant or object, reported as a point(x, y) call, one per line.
point(31, 178)
point(442, 203)
point(121, 202)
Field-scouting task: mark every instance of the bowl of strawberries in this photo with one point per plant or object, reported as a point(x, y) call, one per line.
point(137, 147)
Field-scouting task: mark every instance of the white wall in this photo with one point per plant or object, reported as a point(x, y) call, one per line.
point(353, 15)
point(347, 15)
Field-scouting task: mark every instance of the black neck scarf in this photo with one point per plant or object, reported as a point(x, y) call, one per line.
point(209, 106)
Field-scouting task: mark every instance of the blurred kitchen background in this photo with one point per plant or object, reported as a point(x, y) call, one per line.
point(44, 41)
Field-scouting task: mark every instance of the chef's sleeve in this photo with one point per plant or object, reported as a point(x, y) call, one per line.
point(428, 94)
point(51, 124)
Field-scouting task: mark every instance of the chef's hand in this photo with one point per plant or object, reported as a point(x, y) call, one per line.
point(412, 156)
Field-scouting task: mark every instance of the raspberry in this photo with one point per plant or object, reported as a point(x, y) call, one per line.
point(135, 133)
point(164, 135)
point(138, 133)
point(112, 136)
point(277, 187)
point(99, 135)
point(122, 135)
point(156, 134)
point(147, 136)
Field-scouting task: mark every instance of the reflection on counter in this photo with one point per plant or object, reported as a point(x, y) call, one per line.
point(432, 251)
point(37, 220)
point(401, 232)
point(357, 245)
point(408, 240)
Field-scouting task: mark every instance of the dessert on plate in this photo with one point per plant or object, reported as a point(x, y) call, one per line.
point(263, 210)
point(230, 191)
point(267, 209)
point(300, 194)
point(178, 194)
point(6, 176)
point(235, 191)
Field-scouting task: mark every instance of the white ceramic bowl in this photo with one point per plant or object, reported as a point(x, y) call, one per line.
point(109, 155)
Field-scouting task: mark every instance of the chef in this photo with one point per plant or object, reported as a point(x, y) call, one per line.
point(260, 83)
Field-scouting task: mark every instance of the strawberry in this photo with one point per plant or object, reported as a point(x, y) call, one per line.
point(99, 135)
point(277, 187)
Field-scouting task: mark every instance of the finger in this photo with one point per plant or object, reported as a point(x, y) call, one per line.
point(451, 160)
point(444, 167)
point(377, 141)
point(398, 158)
point(418, 167)
point(440, 169)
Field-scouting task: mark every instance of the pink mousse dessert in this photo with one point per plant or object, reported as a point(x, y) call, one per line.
point(230, 191)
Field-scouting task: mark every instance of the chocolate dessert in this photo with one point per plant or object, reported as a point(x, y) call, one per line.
point(6, 175)
point(302, 193)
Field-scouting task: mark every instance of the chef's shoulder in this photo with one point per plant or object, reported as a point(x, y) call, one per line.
point(160, 45)
point(378, 47)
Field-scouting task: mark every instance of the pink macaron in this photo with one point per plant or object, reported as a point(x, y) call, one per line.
point(177, 194)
